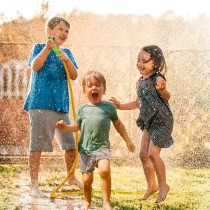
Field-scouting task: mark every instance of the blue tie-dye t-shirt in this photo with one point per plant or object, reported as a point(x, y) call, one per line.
point(49, 86)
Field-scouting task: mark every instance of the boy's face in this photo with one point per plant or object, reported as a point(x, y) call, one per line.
point(94, 90)
point(59, 32)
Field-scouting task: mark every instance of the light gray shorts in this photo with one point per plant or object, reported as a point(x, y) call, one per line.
point(44, 130)
point(88, 162)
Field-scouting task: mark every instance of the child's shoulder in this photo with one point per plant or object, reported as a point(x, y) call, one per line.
point(39, 45)
point(157, 75)
point(108, 104)
point(102, 103)
point(66, 50)
point(80, 106)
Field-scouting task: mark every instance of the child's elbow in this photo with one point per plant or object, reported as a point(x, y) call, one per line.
point(74, 76)
point(168, 96)
point(35, 67)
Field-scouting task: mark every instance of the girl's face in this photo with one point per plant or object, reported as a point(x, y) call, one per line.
point(59, 32)
point(94, 91)
point(144, 63)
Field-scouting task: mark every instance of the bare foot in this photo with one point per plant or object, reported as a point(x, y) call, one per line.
point(85, 205)
point(74, 181)
point(162, 193)
point(36, 193)
point(107, 206)
point(148, 192)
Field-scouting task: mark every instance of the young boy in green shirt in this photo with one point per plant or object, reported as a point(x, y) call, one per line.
point(93, 120)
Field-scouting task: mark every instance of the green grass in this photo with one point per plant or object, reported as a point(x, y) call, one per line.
point(190, 188)
point(8, 175)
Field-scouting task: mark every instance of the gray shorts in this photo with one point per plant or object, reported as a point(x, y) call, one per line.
point(44, 130)
point(88, 162)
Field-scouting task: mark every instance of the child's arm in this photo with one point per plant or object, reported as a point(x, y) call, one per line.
point(70, 66)
point(121, 130)
point(71, 128)
point(161, 88)
point(40, 59)
point(127, 106)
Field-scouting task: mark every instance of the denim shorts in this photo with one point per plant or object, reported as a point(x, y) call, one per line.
point(88, 162)
point(43, 130)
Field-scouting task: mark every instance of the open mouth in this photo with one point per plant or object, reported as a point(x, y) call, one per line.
point(95, 95)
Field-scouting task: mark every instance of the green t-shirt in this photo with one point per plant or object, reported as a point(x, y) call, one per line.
point(94, 121)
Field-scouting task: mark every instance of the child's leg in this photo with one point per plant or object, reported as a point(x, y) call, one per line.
point(159, 166)
point(34, 162)
point(147, 166)
point(105, 179)
point(87, 180)
point(69, 161)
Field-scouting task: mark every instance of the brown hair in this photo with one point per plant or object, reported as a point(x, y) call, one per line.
point(158, 60)
point(96, 75)
point(51, 23)
point(157, 57)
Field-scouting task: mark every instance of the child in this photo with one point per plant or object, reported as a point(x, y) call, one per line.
point(93, 121)
point(155, 118)
point(48, 99)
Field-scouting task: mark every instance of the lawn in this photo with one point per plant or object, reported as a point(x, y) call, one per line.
point(190, 188)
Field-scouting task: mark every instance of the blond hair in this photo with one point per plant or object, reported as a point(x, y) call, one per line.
point(96, 75)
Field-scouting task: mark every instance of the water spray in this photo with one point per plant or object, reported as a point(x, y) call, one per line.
point(53, 194)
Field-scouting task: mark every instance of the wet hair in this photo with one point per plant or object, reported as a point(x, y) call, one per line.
point(157, 57)
point(51, 23)
point(158, 60)
point(96, 75)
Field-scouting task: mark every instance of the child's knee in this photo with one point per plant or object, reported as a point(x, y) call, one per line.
point(153, 156)
point(104, 172)
point(143, 156)
point(87, 180)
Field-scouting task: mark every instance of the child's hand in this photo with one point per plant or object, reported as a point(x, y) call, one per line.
point(161, 88)
point(131, 146)
point(160, 85)
point(116, 103)
point(62, 56)
point(50, 44)
point(61, 124)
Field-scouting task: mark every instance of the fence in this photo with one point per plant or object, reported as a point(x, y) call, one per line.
point(14, 79)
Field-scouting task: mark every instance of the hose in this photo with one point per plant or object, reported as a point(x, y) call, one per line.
point(53, 194)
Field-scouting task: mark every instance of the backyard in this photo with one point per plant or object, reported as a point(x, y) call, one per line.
point(189, 189)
